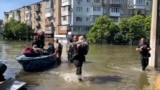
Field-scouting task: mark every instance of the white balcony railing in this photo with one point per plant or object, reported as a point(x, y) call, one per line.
point(49, 30)
point(27, 11)
point(115, 14)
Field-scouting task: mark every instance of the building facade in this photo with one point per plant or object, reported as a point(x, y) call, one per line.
point(1, 24)
point(64, 18)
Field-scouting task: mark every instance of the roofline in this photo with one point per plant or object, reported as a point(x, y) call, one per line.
point(24, 6)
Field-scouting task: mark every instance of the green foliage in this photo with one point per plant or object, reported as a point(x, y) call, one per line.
point(147, 26)
point(122, 37)
point(136, 27)
point(16, 30)
point(100, 30)
point(128, 30)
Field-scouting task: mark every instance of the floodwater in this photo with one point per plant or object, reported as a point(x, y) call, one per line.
point(107, 67)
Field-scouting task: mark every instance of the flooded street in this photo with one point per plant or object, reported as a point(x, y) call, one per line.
point(107, 67)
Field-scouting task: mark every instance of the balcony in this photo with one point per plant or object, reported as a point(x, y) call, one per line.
point(38, 25)
point(27, 11)
point(49, 12)
point(10, 15)
point(37, 7)
point(37, 17)
point(17, 18)
point(67, 27)
point(48, 23)
point(66, 3)
point(100, 3)
point(139, 7)
point(27, 18)
point(49, 30)
point(116, 14)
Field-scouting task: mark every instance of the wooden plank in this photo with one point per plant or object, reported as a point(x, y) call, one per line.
point(17, 85)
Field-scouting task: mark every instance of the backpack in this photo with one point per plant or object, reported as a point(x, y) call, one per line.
point(29, 52)
point(83, 48)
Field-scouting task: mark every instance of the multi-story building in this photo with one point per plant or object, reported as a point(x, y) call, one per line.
point(142, 7)
point(38, 15)
point(64, 18)
point(1, 24)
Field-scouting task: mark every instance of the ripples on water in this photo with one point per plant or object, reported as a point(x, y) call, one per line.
point(107, 68)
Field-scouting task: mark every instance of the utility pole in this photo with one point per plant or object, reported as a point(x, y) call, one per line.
point(154, 35)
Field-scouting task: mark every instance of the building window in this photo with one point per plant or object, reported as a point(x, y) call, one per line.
point(64, 8)
point(87, 28)
point(115, 10)
point(79, 19)
point(79, 1)
point(64, 1)
point(78, 28)
point(88, 10)
point(140, 2)
point(97, 1)
point(97, 9)
point(64, 18)
point(88, 0)
point(87, 18)
point(79, 9)
point(49, 3)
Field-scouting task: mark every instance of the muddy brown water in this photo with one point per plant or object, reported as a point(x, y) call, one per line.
point(107, 67)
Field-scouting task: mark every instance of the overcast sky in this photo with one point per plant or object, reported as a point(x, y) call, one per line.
point(7, 5)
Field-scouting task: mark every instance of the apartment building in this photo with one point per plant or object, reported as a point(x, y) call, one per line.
point(64, 18)
point(1, 24)
point(142, 7)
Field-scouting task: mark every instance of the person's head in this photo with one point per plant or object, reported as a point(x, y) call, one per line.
point(75, 38)
point(142, 39)
point(70, 40)
point(81, 38)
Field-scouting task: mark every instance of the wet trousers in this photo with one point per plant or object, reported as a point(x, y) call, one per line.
point(78, 61)
point(144, 62)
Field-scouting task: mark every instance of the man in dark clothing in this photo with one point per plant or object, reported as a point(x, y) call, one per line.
point(3, 68)
point(78, 58)
point(41, 39)
point(144, 49)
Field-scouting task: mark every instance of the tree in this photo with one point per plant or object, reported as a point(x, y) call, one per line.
point(122, 37)
point(100, 30)
point(136, 28)
point(16, 30)
point(113, 30)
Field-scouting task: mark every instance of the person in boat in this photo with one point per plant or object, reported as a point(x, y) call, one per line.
point(79, 54)
point(36, 46)
point(70, 51)
point(143, 48)
point(38, 51)
point(58, 50)
point(51, 48)
point(3, 68)
point(41, 39)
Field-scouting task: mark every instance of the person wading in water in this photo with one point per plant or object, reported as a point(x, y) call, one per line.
point(144, 48)
point(70, 51)
point(79, 54)
point(58, 50)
